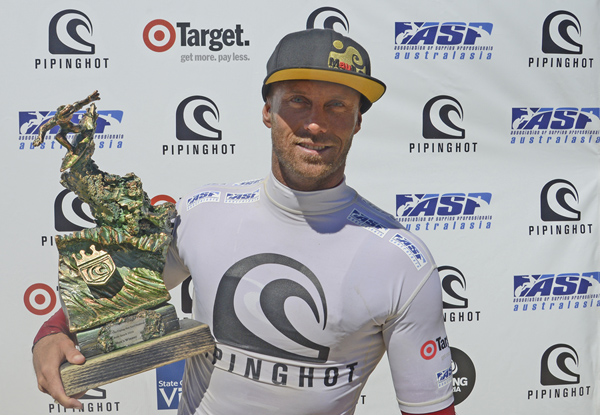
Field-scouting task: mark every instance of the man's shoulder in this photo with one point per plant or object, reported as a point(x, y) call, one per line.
point(376, 214)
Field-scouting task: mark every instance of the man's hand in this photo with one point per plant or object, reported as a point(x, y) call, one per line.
point(48, 354)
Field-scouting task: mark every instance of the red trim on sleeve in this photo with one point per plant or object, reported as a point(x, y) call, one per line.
point(55, 324)
point(448, 411)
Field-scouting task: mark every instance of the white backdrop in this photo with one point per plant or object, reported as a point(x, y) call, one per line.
point(486, 144)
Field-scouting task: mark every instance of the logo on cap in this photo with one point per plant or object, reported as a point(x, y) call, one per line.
point(350, 60)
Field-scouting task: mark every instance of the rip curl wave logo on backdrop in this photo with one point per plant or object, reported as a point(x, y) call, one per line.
point(442, 116)
point(558, 201)
point(194, 117)
point(70, 33)
point(558, 366)
point(560, 211)
point(71, 214)
point(557, 33)
point(328, 18)
point(452, 279)
point(249, 310)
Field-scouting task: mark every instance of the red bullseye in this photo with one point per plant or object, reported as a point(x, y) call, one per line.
point(159, 35)
point(428, 350)
point(39, 299)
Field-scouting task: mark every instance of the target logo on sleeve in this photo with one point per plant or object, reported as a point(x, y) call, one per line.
point(40, 299)
point(159, 35)
point(431, 347)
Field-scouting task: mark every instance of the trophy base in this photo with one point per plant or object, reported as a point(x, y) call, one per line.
point(191, 339)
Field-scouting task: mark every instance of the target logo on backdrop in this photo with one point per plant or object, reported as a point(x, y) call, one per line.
point(159, 35)
point(562, 38)
point(40, 299)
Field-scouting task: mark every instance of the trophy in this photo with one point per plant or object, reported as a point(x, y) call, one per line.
point(110, 276)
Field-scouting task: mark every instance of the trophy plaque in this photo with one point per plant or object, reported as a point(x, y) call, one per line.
point(110, 276)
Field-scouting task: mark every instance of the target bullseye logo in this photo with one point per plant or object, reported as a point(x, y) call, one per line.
point(40, 299)
point(159, 35)
point(428, 350)
point(158, 199)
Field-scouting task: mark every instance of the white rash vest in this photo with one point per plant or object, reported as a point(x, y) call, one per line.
point(304, 292)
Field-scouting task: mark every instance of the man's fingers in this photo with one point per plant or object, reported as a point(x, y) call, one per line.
point(48, 354)
point(75, 357)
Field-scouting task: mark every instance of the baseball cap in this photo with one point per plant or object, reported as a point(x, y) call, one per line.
point(324, 55)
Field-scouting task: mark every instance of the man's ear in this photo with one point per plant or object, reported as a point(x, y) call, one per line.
point(266, 113)
point(358, 123)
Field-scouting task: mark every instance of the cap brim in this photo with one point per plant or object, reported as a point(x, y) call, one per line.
point(371, 88)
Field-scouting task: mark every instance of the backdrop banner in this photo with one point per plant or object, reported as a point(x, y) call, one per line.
point(486, 145)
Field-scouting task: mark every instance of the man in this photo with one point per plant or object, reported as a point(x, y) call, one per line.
point(304, 283)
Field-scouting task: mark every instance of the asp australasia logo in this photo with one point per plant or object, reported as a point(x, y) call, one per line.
point(549, 292)
point(555, 125)
point(108, 136)
point(444, 211)
point(443, 41)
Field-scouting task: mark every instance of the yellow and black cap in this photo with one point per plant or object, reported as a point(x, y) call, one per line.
point(324, 55)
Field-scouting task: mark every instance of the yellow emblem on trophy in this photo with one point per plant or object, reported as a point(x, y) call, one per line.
point(95, 268)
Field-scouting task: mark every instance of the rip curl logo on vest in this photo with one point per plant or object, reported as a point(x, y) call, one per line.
point(349, 60)
point(260, 301)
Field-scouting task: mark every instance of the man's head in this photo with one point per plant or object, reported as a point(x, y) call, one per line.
point(317, 87)
point(324, 55)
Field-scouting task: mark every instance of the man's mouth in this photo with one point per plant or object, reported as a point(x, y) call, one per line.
point(313, 147)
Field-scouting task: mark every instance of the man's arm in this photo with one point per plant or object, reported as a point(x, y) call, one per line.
point(448, 411)
point(52, 347)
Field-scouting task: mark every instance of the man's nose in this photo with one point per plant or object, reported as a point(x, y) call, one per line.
point(316, 122)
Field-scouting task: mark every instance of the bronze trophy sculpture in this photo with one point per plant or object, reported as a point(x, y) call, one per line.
point(110, 276)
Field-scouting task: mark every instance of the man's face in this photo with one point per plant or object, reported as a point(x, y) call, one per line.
point(312, 124)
